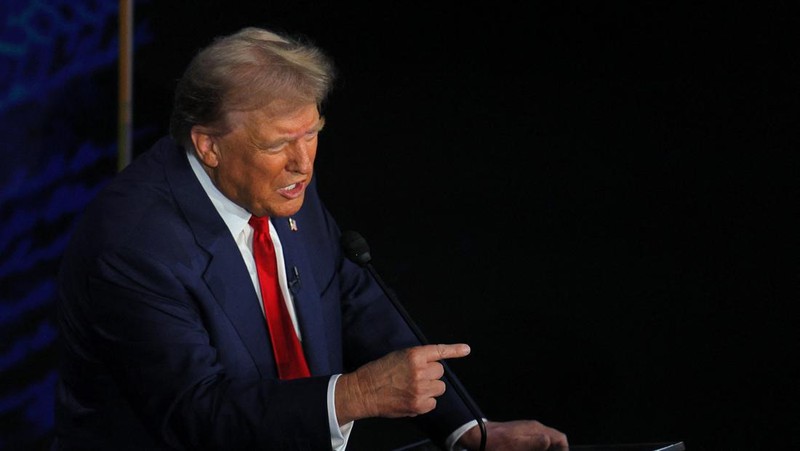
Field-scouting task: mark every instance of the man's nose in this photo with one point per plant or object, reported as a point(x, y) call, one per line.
point(300, 159)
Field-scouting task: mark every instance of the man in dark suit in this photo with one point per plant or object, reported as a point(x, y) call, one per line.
point(165, 343)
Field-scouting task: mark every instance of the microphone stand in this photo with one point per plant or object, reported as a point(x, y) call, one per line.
point(361, 256)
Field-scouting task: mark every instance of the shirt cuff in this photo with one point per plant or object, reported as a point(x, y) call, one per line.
point(339, 435)
point(451, 443)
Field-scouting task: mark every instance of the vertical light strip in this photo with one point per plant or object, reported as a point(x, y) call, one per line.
point(124, 132)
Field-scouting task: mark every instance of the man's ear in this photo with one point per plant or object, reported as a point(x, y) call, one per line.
point(203, 141)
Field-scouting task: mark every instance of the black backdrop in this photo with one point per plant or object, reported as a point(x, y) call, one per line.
point(598, 198)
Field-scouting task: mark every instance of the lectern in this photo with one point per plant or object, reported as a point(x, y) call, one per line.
point(426, 445)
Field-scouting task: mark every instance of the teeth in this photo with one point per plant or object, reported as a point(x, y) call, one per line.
point(290, 187)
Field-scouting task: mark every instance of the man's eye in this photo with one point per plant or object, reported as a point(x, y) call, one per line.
point(275, 148)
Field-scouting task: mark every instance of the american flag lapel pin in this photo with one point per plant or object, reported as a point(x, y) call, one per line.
point(292, 225)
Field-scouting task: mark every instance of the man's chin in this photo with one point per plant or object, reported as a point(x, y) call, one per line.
point(287, 209)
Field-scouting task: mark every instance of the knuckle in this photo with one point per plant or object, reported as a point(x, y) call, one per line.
point(417, 373)
point(431, 405)
point(414, 356)
point(423, 405)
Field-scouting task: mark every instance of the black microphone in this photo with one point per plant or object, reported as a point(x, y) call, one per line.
point(357, 250)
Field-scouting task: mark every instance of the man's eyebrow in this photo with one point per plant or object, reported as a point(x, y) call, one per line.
point(316, 128)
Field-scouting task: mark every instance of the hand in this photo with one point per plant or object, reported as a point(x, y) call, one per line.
point(516, 435)
point(403, 383)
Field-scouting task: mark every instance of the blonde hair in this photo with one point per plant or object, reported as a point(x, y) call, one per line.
point(249, 69)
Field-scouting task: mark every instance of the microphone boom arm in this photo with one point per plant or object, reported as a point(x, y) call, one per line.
point(357, 251)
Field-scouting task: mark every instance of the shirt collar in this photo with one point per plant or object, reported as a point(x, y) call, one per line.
point(234, 216)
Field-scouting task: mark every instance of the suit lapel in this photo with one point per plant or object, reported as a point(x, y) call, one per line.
point(226, 274)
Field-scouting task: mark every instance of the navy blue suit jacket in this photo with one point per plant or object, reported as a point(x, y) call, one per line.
point(165, 345)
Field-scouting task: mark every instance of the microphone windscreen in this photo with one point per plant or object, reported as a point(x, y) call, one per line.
point(355, 247)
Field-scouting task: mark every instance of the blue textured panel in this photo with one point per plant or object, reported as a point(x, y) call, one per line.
point(58, 109)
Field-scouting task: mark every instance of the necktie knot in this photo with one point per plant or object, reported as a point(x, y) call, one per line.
point(259, 223)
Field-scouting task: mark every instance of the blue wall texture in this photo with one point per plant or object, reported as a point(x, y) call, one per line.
point(58, 97)
point(603, 195)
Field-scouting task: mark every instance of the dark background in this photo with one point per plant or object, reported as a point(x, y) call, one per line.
point(600, 198)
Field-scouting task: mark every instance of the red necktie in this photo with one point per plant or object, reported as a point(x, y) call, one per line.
point(286, 346)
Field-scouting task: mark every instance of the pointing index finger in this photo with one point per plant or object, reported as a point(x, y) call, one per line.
point(450, 351)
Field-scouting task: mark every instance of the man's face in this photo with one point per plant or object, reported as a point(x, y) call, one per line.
point(266, 161)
